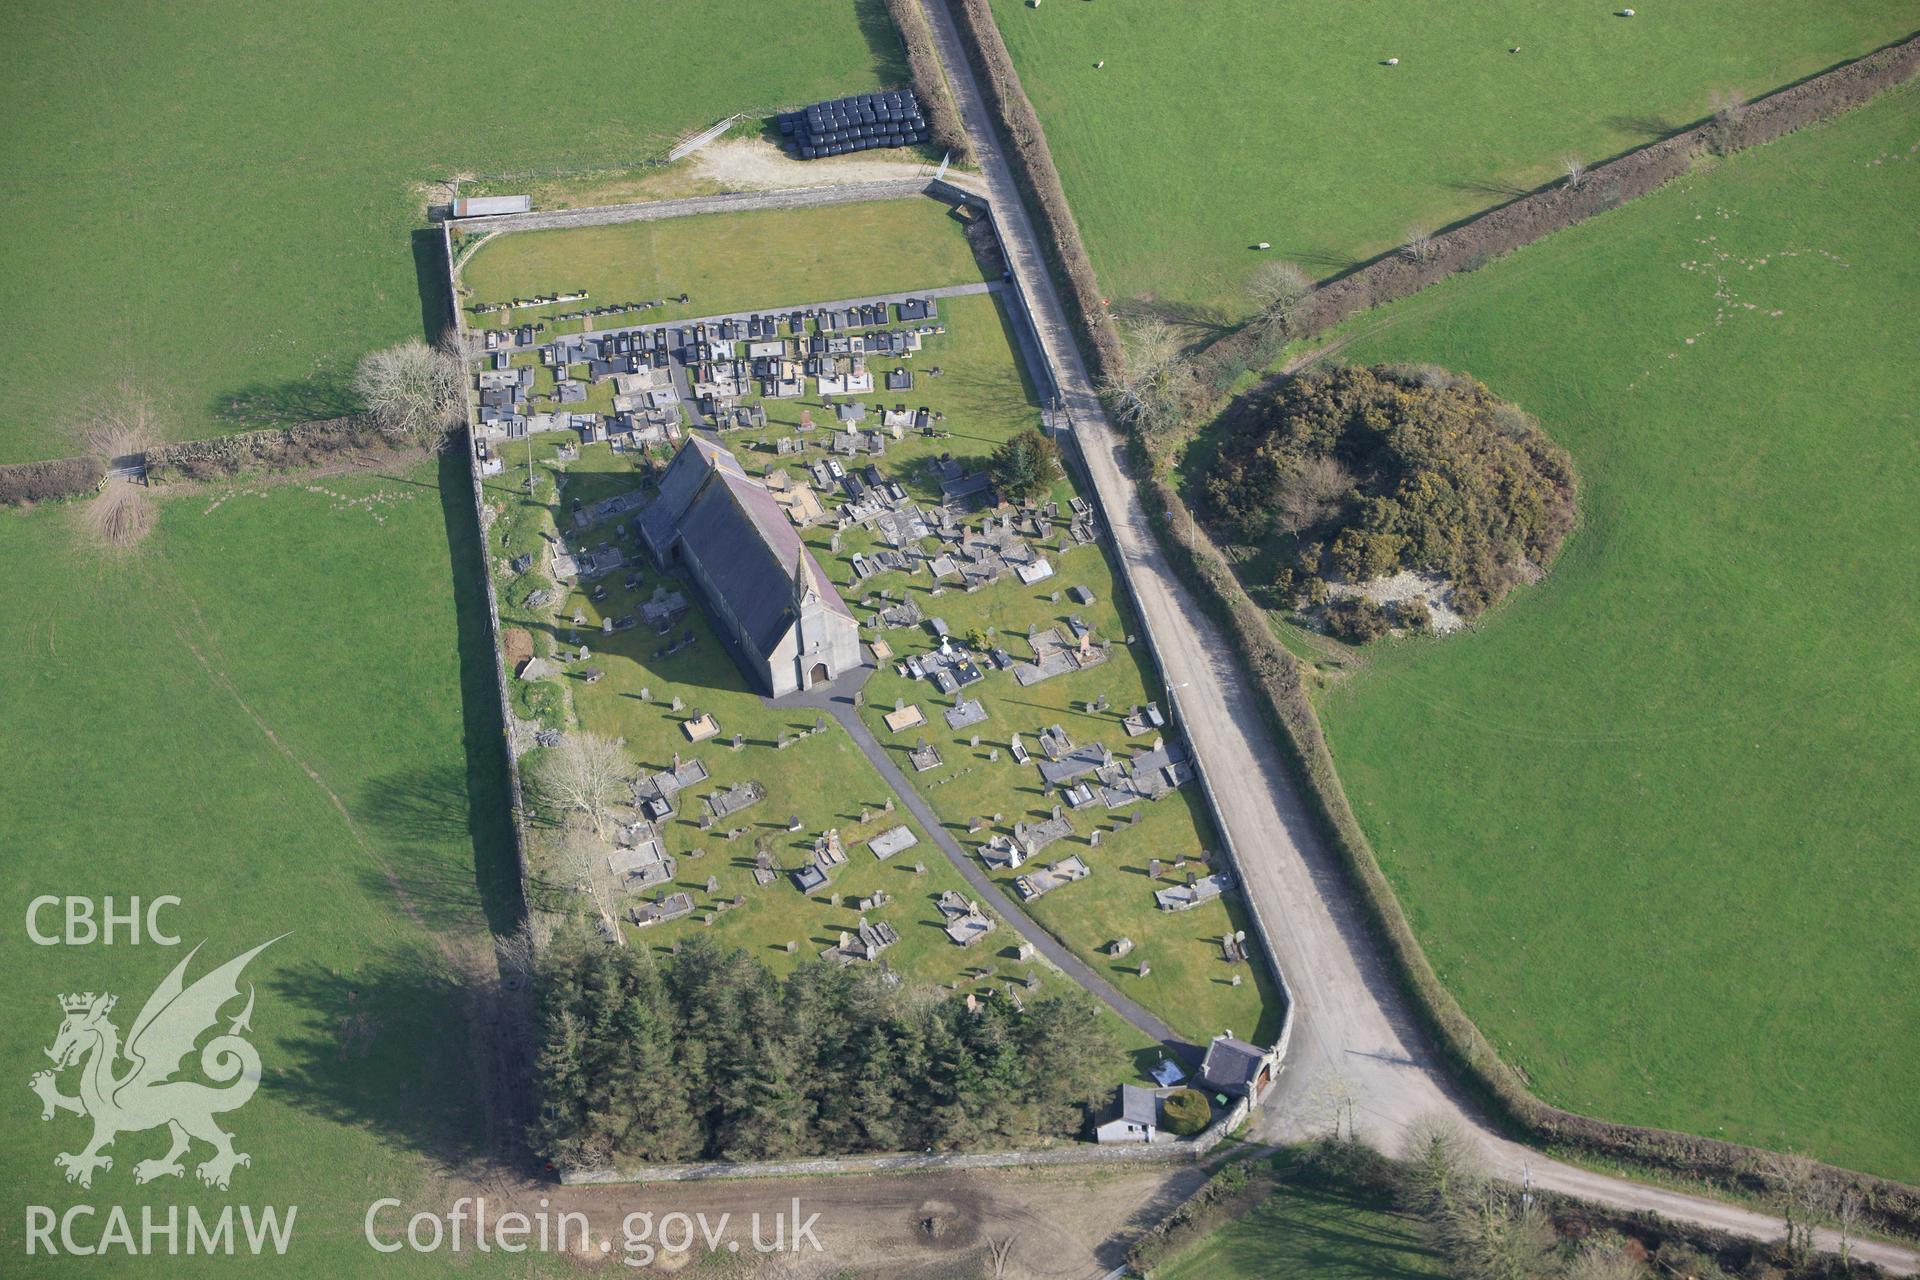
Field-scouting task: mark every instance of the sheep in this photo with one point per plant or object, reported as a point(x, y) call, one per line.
point(1393, 62)
point(1100, 64)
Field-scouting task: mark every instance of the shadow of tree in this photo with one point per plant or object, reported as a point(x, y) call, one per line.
point(1649, 127)
point(1198, 323)
point(421, 1048)
point(883, 41)
point(1502, 191)
point(326, 393)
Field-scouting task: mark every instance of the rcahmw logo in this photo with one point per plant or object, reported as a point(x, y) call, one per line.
point(129, 1087)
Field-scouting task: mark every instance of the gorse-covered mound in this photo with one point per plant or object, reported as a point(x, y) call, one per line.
point(1368, 472)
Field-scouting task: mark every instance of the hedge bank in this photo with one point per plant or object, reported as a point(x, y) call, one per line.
point(49, 480)
point(294, 448)
point(929, 81)
point(1039, 183)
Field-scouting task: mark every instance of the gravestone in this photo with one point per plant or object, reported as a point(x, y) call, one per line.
point(677, 704)
point(713, 884)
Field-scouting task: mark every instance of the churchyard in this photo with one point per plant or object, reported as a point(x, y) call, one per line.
point(872, 426)
point(655, 690)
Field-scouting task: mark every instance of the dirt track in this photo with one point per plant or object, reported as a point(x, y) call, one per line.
point(1065, 1224)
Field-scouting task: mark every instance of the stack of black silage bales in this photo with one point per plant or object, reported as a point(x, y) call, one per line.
point(861, 123)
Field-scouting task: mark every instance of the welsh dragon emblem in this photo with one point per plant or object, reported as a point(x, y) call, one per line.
point(144, 1095)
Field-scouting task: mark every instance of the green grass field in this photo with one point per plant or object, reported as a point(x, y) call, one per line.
point(1654, 818)
point(1305, 1231)
point(724, 262)
point(223, 206)
point(285, 751)
point(1214, 127)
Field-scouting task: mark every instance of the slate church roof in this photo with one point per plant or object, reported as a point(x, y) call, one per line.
point(740, 535)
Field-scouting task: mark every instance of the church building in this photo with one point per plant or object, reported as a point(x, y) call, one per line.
point(768, 597)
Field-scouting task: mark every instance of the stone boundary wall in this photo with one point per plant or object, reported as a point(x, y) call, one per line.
point(1263, 927)
point(271, 449)
point(607, 215)
point(949, 192)
point(516, 796)
point(1173, 1151)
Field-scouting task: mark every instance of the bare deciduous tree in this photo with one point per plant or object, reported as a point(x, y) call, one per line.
point(1605, 1260)
point(1440, 1166)
point(1576, 171)
point(1848, 1210)
point(1490, 1237)
point(1147, 395)
point(1728, 105)
point(584, 774)
point(414, 392)
point(1310, 491)
point(578, 861)
point(1276, 288)
point(1801, 1198)
point(1419, 245)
